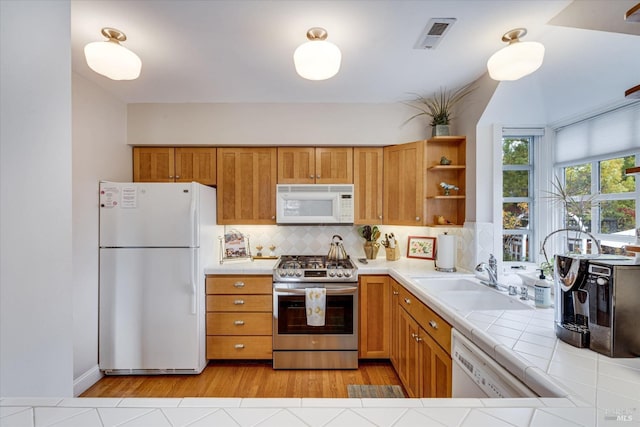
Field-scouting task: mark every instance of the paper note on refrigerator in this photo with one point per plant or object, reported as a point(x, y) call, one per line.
point(129, 198)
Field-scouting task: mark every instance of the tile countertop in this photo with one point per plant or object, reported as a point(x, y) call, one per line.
point(579, 387)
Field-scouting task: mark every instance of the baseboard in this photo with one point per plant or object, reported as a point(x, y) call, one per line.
point(86, 380)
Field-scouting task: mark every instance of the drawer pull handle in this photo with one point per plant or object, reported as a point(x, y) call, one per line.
point(433, 324)
point(238, 285)
point(407, 301)
point(418, 339)
point(239, 302)
point(239, 346)
point(239, 322)
point(396, 293)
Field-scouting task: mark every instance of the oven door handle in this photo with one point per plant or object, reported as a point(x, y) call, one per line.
point(331, 291)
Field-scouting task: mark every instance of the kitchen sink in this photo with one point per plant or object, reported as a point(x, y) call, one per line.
point(465, 295)
point(466, 301)
point(436, 286)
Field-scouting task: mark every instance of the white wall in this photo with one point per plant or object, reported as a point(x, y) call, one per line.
point(469, 113)
point(273, 124)
point(513, 104)
point(36, 349)
point(99, 152)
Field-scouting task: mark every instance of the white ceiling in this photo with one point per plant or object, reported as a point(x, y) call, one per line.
point(238, 51)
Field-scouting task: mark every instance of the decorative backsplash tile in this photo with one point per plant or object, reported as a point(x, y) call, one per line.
point(315, 239)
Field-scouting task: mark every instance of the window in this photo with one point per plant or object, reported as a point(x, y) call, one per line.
point(603, 198)
point(591, 157)
point(517, 197)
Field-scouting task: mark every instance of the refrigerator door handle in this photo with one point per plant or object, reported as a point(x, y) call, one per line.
point(193, 212)
point(194, 287)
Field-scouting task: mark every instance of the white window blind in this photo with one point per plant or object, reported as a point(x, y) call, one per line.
point(612, 132)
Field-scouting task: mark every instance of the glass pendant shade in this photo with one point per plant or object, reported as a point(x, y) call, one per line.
point(317, 59)
point(516, 60)
point(110, 59)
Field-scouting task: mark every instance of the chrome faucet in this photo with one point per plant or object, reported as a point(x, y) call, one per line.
point(492, 270)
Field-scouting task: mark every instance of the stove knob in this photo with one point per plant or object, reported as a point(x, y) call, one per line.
point(332, 273)
point(290, 273)
point(347, 273)
point(339, 274)
point(298, 273)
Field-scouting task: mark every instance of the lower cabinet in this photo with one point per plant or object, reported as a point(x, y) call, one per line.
point(375, 317)
point(239, 317)
point(423, 339)
point(394, 351)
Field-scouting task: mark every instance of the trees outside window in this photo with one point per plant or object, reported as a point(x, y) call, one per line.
point(604, 198)
point(517, 198)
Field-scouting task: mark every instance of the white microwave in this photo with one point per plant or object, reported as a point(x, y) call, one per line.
point(314, 204)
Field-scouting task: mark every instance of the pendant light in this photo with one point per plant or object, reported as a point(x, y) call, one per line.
point(111, 59)
point(517, 59)
point(317, 59)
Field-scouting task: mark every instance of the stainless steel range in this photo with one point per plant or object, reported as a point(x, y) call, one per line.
point(298, 345)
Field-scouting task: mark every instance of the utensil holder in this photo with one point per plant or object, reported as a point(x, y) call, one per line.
point(371, 250)
point(392, 253)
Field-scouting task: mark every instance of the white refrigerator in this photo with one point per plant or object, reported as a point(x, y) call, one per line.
point(155, 240)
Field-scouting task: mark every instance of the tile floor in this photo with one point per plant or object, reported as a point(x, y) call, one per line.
point(192, 412)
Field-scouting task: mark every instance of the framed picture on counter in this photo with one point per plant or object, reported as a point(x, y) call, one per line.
point(421, 247)
point(234, 246)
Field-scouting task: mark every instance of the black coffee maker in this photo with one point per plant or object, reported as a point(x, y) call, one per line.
point(572, 300)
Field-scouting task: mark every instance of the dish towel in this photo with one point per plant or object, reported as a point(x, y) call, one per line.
point(315, 302)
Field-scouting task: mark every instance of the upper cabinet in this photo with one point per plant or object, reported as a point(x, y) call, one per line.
point(247, 185)
point(446, 163)
point(367, 180)
point(403, 184)
point(309, 165)
point(174, 164)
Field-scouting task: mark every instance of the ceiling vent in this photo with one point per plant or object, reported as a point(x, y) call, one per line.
point(434, 32)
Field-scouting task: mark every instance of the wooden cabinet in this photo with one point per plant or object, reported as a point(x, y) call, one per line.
point(451, 207)
point(395, 320)
point(423, 361)
point(320, 165)
point(367, 180)
point(239, 317)
point(408, 363)
point(435, 369)
point(246, 185)
point(403, 184)
point(174, 164)
point(374, 317)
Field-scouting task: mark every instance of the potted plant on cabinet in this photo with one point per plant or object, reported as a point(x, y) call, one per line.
point(439, 107)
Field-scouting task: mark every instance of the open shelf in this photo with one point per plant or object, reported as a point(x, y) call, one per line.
point(451, 207)
point(447, 167)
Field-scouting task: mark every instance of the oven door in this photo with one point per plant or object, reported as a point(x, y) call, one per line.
point(290, 329)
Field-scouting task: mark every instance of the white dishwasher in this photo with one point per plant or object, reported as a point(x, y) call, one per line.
point(475, 374)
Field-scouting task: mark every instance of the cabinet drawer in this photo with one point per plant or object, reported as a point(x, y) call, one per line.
point(241, 347)
point(239, 284)
point(239, 303)
point(407, 300)
point(434, 325)
point(239, 324)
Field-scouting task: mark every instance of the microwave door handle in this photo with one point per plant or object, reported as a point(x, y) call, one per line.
point(332, 291)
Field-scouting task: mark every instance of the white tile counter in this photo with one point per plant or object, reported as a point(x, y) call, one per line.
point(580, 387)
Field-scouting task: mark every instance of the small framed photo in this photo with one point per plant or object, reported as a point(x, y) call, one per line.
point(234, 246)
point(421, 247)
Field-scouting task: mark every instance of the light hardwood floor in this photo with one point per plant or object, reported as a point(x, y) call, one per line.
point(247, 379)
